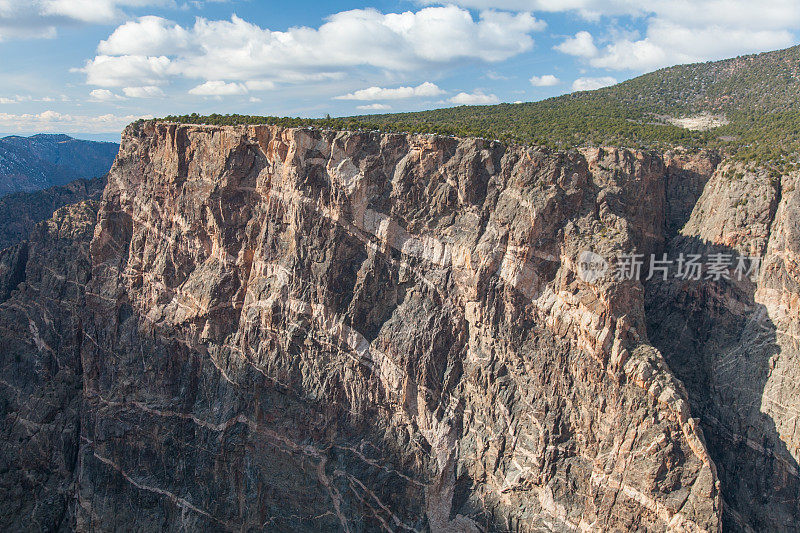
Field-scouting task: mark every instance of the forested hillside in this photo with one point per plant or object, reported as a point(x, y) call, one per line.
point(753, 97)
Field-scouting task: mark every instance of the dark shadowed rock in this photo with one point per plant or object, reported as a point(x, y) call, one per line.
point(20, 212)
point(41, 377)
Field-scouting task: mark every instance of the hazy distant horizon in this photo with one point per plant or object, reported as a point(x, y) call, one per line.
point(106, 137)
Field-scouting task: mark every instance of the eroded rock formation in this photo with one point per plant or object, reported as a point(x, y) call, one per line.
point(296, 330)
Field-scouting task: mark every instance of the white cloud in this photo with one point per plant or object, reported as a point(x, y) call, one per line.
point(18, 98)
point(742, 14)
point(218, 88)
point(379, 93)
point(590, 84)
point(96, 11)
point(582, 45)
point(129, 70)
point(476, 98)
point(492, 75)
point(145, 36)
point(588, 9)
point(757, 15)
point(260, 85)
point(92, 11)
point(238, 51)
point(15, 99)
point(668, 43)
point(104, 95)
point(66, 123)
point(676, 31)
point(547, 80)
point(37, 19)
point(147, 91)
point(374, 107)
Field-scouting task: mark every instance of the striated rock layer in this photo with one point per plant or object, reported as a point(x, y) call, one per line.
point(296, 330)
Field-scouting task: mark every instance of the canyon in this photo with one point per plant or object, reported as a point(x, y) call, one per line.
point(296, 329)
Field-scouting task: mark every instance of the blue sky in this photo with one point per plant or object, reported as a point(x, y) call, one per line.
point(92, 66)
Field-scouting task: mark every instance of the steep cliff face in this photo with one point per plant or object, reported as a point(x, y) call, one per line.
point(41, 378)
point(734, 344)
point(296, 330)
point(21, 212)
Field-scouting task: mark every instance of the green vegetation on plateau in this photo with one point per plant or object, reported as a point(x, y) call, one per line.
point(757, 94)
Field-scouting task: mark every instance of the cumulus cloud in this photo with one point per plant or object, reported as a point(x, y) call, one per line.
point(582, 45)
point(146, 36)
point(218, 88)
point(380, 93)
point(92, 11)
point(53, 121)
point(589, 9)
point(122, 71)
point(758, 15)
point(237, 51)
point(668, 43)
point(374, 107)
point(476, 98)
point(677, 31)
point(590, 84)
point(547, 80)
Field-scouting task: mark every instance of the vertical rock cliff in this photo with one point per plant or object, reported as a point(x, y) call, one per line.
point(297, 330)
point(734, 344)
point(41, 380)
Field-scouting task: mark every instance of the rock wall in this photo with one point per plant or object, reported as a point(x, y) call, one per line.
point(734, 344)
point(41, 376)
point(306, 330)
point(297, 330)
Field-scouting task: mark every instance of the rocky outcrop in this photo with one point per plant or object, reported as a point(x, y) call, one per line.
point(296, 330)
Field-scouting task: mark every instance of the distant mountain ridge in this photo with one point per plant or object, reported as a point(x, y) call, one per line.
point(47, 160)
